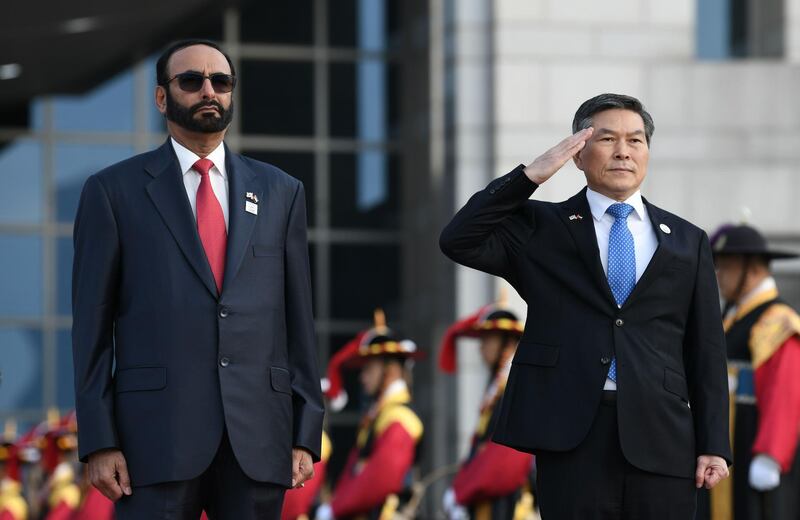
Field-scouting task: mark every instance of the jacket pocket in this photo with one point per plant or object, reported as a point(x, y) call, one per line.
point(281, 380)
point(675, 383)
point(264, 250)
point(536, 354)
point(139, 379)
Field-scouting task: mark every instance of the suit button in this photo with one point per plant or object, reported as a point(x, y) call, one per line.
point(605, 360)
point(620, 322)
point(224, 362)
point(223, 312)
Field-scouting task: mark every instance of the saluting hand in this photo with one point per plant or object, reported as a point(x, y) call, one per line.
point(710, 471)
point(547, 164)
point(108, 472)
point(302, 467)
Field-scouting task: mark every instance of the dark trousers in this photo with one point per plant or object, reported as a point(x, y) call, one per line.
point(223, 491)
point(594, 481)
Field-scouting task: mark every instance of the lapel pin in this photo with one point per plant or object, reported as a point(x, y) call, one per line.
point(665, 228)
point(576, 216)
point(250, 206)
point(252, 197)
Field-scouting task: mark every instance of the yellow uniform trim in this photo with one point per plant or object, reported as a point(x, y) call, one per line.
point(327, 447)
point(778, 323)
point(70, 494)
point(15, 505)
point(399, 413)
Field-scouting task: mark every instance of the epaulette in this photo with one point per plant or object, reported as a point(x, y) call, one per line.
point(778, 323)
point(404, 415)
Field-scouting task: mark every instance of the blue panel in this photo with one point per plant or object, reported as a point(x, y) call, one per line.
point(20, 276)
point(21, 366)
point(73, 164)
point(713, 29)
point(21, 196)
point(64, 253)
point(108, 107)
point(65, 389)
point(36, 118)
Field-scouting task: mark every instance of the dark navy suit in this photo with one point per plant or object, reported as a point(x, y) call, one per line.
point(672, 396)
point(189, 364)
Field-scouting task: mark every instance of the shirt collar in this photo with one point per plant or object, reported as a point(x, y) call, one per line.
point(187, 158)
point(599, 203)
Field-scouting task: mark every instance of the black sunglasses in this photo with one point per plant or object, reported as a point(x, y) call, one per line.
point(193, 81)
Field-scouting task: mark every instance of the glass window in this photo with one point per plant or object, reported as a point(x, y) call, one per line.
point(281, 22)
point(65, 388)
point(20, 276)
point(278, 98)
point(363, 100)
point(367, 24)
point(299, 165)
point(16, 115)
point(21, 195)
point(37, 114)
point(73, 164)
point(109, 107)
point(365, 190)
point(64, 254)
point(20, 368)
point(364, 277)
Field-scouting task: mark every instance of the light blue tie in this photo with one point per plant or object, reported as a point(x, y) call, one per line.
point(621, 261)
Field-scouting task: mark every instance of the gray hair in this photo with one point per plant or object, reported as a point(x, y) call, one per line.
point(590, 107)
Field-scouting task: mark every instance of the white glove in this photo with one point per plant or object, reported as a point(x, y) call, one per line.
point(765, 473)
point(453, 510)
point(324, 512)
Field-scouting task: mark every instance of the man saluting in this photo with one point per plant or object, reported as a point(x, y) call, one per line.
point(618, 385)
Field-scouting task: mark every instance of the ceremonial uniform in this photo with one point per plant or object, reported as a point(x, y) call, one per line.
point(60, 447)
point(763, 341)
point(490, 481)
point(378, 473)
point(12, 504)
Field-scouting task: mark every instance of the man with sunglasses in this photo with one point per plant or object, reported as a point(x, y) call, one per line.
point(196, 378)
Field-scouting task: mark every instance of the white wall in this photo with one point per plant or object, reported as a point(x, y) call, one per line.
point(726, 132)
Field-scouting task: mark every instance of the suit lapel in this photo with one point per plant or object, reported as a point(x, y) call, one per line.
point(577, 218)
point(664, 254)
point(168, 193)
point(241, 181)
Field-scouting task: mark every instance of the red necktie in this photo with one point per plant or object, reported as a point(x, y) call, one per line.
point(211, 222)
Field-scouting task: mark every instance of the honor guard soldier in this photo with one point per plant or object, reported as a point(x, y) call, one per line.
point(12, 504)
point(58, 457)
point(491, 479)
point(378, 470)
point(763, 341)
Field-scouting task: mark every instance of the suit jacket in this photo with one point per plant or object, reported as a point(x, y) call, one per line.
point(672, 397)
point(188, 363)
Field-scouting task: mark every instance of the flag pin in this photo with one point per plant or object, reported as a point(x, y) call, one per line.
point(576, 216)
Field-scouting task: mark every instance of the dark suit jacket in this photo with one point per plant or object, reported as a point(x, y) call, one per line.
point(672, 397)
point(188, 363)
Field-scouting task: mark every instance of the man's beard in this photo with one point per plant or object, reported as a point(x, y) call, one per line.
point(208, 123)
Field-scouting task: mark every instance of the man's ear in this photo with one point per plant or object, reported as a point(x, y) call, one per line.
point(577, 158)
point(161, 99)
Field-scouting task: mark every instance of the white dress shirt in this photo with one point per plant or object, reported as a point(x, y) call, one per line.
point(645, 241)
point(191, 179)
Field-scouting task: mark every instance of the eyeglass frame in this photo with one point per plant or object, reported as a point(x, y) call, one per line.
point(204, 78)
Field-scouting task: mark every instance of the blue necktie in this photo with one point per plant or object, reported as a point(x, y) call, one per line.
point(621, 261)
